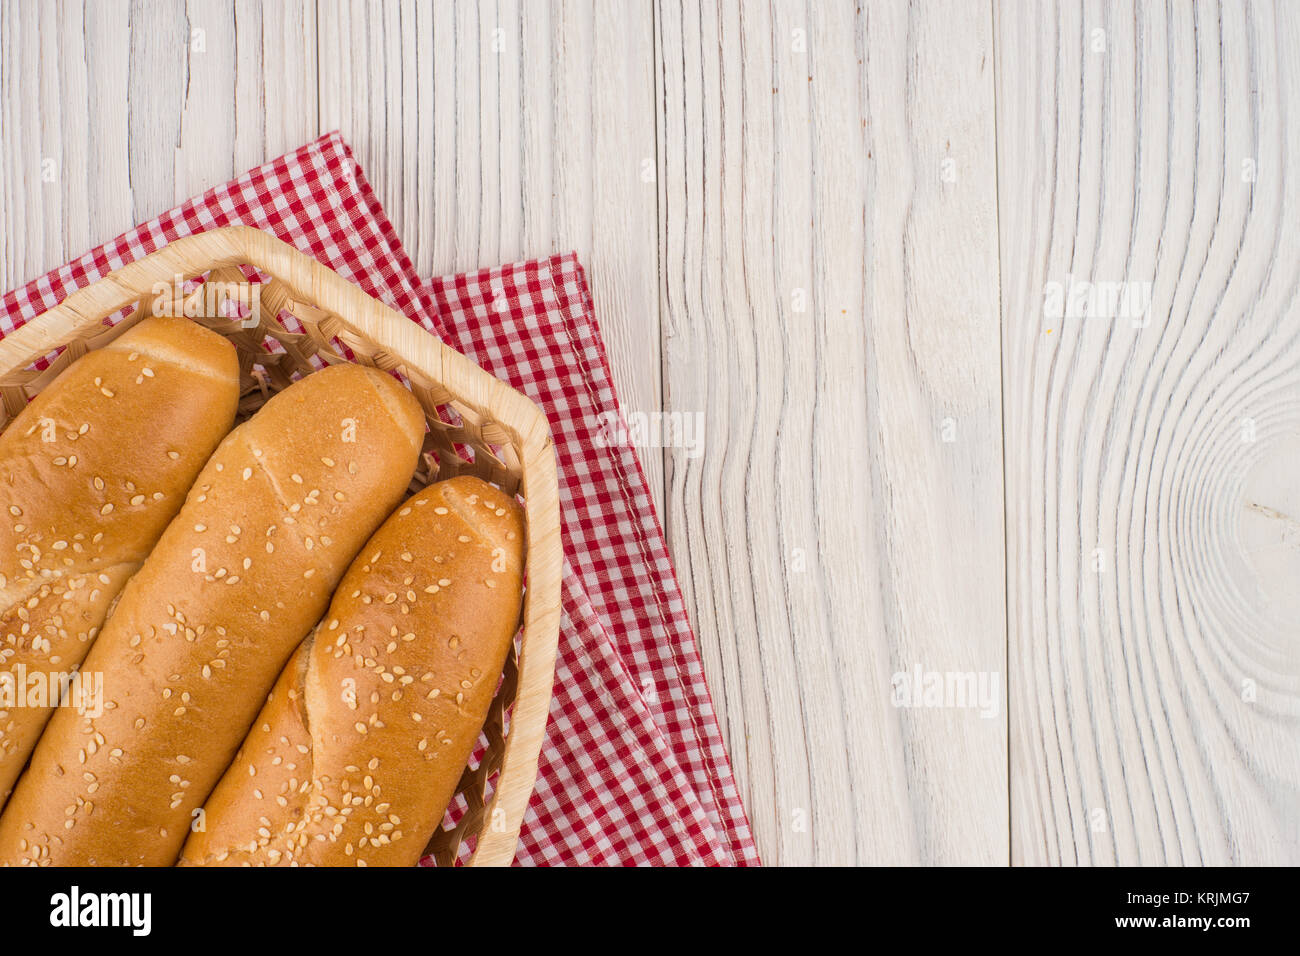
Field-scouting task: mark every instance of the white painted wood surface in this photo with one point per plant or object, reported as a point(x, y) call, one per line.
point(829, 227)
point(1153, 559)
point(829, 299)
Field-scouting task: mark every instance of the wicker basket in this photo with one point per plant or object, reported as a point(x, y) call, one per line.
point(308, 317)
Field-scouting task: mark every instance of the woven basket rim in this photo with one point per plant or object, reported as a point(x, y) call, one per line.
point(80, 316)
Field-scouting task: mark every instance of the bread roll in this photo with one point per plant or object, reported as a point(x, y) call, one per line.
point(357, 753)
point(203, 629)
point(91, 472)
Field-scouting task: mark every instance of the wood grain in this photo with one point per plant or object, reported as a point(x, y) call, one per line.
point(140, 106)
point(1153, 549)
point(829, 300)
point(63, 123)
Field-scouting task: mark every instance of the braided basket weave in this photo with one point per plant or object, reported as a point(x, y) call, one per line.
point(310, 317)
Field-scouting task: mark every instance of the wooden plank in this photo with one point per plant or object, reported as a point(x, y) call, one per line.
point(63, 117)
point(1151, 453)
point(275, 54)
point(248, 95)
point(498, 132)
point(829, 289)
point(133, 119)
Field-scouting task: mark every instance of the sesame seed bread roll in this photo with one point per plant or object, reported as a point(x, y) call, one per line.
point(203, 629)
point(91, 472)
point(357, 753)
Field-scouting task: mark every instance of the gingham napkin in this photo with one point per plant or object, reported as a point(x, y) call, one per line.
point(633, 769)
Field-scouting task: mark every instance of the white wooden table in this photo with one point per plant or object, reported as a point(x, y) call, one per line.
point(846, 233)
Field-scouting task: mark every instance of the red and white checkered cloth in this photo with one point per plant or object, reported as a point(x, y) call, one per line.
point(633, 769)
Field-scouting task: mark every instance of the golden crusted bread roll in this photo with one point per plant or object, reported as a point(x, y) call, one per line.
point(203, 629)
point(357, 753)
point(91, 472)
